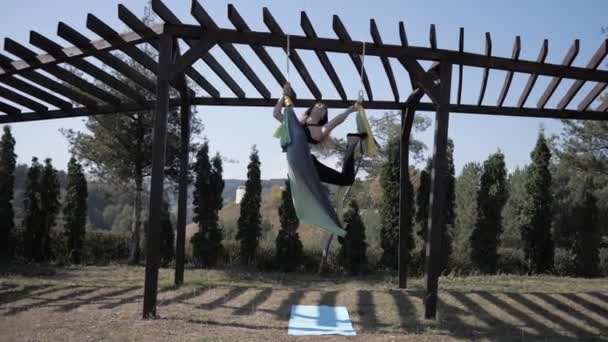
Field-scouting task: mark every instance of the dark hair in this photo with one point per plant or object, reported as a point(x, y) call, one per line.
point(322, 121)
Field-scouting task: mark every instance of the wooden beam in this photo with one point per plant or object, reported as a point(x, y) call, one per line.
point(275, 29)
point(542, 55)
point(343, 35)
point(593, 64)
point(395, 51)
point(51, 85)
point(460, 67)
point(8, 109)
point(309, 31)
point(262, 54)
point(191, 56)
point(56, 50)
point(486, 71)
point(182, 196)
point(165, 14)
point(418, 77)
point(591, 96)
point(594, 115)
point(79, 40)
point(438, 199)
point(421, 78)
point(385, 62)
point(407, 121)
point(159, 142)
point(603, 107)
point(62, 74)
point(36, 93)
point(207, 23)
point(509, 76)
point(97, 46)
point(22, 100)
point(433, 37)
point(567, 61)
point(106, 31)
point(403, 34)
point(133, 22)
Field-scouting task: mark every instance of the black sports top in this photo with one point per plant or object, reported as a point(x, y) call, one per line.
point(309, 137)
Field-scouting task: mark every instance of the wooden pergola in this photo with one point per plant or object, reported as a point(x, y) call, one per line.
point(27, 84)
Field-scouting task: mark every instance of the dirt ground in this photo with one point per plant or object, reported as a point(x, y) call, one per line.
point(105, 303)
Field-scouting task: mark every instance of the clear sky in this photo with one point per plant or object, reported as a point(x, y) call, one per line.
point(232, 131)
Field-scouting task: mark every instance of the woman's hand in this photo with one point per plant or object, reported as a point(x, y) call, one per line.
point(287, 89)
point(354, 108)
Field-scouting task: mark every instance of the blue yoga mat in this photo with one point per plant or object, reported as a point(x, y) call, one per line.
point(319, 320)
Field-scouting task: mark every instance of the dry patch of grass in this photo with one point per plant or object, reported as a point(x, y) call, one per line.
point(104, 303)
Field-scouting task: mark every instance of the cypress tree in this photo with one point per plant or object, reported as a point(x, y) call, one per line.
point(49, 205)
point(249, 223)
point(167, 236)
point(389, 208)
point(353, 254)
point(448, 228)
point(289, 250)
point(535, 216)
point(75, 210)
point(586, 242)
point(491, 198)
point(7, 182)
point(33, 218)
point(207, 200)
point(423, 207)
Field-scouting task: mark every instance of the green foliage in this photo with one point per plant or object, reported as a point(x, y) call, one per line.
point(466, 188)
point(33, 220)
point(75, 211)
point(353, 254)
point(249, 224)
point(389, 208)
point(118, 148)
point(289, 250)
point(423, 198)
point(536, 213)
point(207, 201)
point(167, 236)
point(511, 236)
point(49, 205)
point(586, 240)
point(491, 198)
point(423, 206)
point(103, 247)
point(448, 229)
point(564, 264)
point(7, 181)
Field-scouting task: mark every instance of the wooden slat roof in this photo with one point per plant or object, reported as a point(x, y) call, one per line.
point(27, 92)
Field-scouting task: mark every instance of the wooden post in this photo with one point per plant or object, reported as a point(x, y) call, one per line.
point(156, 182)
point(407, 119)
point(182, 196)
point(438, 192)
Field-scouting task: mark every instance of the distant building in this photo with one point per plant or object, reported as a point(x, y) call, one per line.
point(240, 192)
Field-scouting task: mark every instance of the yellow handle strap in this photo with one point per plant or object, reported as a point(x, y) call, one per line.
point(287, 101)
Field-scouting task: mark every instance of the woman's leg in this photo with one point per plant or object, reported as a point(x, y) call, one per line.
point(344, 178)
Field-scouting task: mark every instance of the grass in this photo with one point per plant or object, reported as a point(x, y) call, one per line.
point(104, 303)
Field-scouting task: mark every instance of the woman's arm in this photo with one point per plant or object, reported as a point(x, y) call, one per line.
point(279, 106)
point(336, 121)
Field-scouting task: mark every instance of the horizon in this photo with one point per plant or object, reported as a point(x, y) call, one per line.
point(475, 136)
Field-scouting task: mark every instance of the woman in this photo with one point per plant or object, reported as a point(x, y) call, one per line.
point(317, 129)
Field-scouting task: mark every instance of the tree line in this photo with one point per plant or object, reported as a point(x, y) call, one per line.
point(42, 206)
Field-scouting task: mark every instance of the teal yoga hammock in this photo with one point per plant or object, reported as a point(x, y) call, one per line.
point(310, 199)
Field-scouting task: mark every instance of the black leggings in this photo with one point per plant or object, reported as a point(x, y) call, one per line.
point(331, 176)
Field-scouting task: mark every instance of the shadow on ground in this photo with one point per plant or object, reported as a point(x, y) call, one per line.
point(504, 316)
